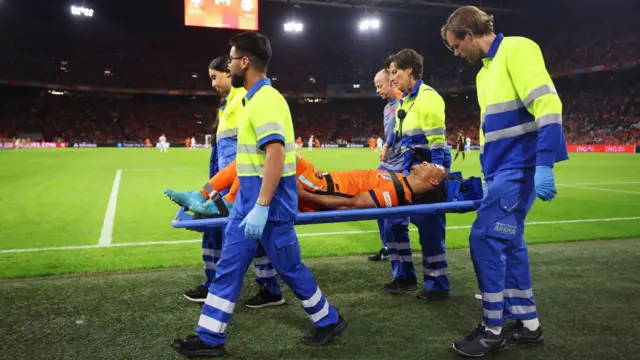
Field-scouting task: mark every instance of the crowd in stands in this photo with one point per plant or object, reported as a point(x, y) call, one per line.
point(106, 57)
point(592, 115)
point(611, 117)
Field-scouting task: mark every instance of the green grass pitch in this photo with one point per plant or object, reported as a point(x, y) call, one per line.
point(58, 199)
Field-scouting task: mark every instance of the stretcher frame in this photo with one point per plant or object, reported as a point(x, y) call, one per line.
point(184, 220)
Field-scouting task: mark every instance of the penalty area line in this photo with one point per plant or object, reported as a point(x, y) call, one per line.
point(178, 242)
point(107, 226)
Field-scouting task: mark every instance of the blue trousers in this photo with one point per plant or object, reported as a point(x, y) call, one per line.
point(280, 243)
point(211, 247)
point(266, 275)
point(383, 234)
point(498, 249)
point(431, 229)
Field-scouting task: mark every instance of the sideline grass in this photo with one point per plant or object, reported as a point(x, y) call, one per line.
point(586, 295)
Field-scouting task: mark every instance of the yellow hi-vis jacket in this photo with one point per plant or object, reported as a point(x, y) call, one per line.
point(521, 113)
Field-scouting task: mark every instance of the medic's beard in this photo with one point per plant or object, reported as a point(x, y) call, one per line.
point(237, 81)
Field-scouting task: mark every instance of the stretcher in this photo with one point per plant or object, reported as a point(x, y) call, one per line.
point(461, 196)
point(184, 220)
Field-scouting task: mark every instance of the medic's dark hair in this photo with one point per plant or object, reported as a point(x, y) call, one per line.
point(255, 46)
point(221, 63)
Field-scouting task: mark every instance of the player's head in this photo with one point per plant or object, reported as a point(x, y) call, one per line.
point(405, 68)
point(429, 173)
point(387, 65)
point(220, 75)
point(463, 30)
point(384, 87)
point(250, 52)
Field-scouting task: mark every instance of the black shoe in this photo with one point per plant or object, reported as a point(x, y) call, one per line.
point(199, 294)
point(397, 286)
point(383, 254)
point(264, 299)
point(517, 333)
point(433, 295)
point(479, 343)
point(322, 336)
point(192, 346)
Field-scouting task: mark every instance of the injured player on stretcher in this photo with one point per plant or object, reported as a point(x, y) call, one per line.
point(334, 190)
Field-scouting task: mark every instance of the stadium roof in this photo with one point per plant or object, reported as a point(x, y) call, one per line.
point(435, 7)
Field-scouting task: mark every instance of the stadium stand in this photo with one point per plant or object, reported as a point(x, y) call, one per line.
point(100, 71)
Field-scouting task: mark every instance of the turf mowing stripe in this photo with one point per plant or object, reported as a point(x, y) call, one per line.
point(601, 189)
point(166, 169)
point(107, 226)
point(603, 183)
point(469, 226)
point(177, 242)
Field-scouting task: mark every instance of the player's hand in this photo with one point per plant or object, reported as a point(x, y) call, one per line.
point(544, 182)
point(255, 222)
point(384, 156)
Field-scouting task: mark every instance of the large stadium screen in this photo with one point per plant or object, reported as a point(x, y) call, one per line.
point(227, 14)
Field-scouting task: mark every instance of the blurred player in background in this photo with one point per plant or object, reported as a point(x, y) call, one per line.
point(299, 143)
point(316, 143)
point(187, 143)
point(467, 148)
point(379, 144)
point(193, 143)
point(460, 143)
point(164, 147)
point(16, 144)
point(311, 143)
point(147, 143)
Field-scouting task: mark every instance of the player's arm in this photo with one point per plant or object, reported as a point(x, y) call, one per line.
point(233, 191)
point(432, 121)
point(535, 88)
point(332, 202)
point(222, 180)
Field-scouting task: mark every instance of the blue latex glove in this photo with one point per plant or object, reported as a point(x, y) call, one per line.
point(545, 184)
point(255, 222)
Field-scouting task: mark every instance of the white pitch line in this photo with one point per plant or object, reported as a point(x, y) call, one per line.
point(601, 189)
point(460, 227)
point(107, 225)
point(165, 169)
point(177, 242)
point(602, 183)
point(82, 247)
